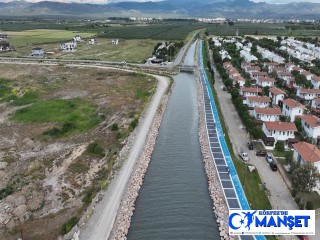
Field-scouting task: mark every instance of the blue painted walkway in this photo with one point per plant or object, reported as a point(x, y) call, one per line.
point(227, 173)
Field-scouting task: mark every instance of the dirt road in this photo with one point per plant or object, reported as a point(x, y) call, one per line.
point(101, 222)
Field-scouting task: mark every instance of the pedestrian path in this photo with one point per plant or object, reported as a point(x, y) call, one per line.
point(230, 182)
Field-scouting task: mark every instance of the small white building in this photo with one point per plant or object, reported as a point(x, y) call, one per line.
point(92, 41)
point(315, 81)
point(311, 125)
point(307, 153)
point(267, 114)
point(37, 52)
point(292, 108)
point(265, 82)
point(238, 79)
point(77, 38)
point(258, 101)
point(249, 92)
point(307, 95)
point(115, 41)
point(276, 95)
point(278, 131)
point(68, 46)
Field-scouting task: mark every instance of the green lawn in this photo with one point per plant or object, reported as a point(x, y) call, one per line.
point(74, 115)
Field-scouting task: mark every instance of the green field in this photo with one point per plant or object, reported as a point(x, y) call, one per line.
point(74, 115)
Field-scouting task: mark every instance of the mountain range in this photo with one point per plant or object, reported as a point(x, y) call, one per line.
point(178, 8)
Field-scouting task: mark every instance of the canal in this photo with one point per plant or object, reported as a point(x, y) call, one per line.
point(174, 202)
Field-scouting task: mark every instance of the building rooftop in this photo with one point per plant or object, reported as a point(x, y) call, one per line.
point(291, 103)
point(269, 111)
point(251, 90)
point(281, 126)
point(309, 152)
point(312, 120)
point(259, 99)
point(276, 91)
point(311, 91)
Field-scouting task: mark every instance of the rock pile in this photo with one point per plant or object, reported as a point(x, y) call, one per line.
point(219, 205)
point(123, 219)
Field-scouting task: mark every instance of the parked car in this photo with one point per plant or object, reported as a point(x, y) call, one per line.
point(250, 145)
point(261, 153)
point(273, 166)
point(269, 158)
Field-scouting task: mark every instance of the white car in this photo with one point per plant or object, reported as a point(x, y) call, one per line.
point(269, 158)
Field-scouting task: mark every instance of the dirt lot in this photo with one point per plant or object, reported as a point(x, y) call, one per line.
point(45, 179)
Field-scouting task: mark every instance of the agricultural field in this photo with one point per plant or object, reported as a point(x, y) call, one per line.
point(61, 130)
point(277, 29)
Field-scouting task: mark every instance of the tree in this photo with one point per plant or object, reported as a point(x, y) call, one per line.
point(234, 94)
point(298, 124)
point(279, 146)
point(266, 90)
point(304, 178)
point(247, 83)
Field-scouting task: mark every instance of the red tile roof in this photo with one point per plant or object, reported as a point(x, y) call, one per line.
point(306, 73)
point(270, 111)
point(256, 68)
point(281, 126)
point(285, 74)
point(259, 99)
point(309, 153)
point(251, 90)
point(291, 103)
point(260, 73)
point(305, 90)
point(238, 78)
point(312, 120)
point(272, 64)
point(315, 78)
point(276, 91)
point(317, 100)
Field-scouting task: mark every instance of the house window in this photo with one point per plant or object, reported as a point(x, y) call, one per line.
point(274, 131)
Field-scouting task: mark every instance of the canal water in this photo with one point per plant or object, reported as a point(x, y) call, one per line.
point(174, 202)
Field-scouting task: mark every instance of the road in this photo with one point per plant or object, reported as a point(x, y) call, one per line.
point(101, 222)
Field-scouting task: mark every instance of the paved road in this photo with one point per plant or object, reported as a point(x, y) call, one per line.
point(101, 222)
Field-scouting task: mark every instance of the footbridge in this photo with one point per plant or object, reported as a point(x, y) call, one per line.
point(187, 68)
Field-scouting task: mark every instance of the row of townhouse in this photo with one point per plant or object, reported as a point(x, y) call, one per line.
point(234, 74)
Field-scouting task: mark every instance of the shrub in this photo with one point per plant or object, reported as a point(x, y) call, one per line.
point(293, 192)
point(114, 127)
point(279, 146)
point(309, 205)
point(95, 149)
point(88, 195)
point(69, 224)
point(133, 124)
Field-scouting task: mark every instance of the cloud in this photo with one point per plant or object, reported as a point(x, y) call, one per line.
point(87, 1)
point(285, 1)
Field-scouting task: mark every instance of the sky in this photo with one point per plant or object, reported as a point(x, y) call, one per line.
point(108, 1)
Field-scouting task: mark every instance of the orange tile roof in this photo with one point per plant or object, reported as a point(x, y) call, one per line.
point(259, 99)
point(317, 100)
point(291, 103)
point(285, 74)
point(251, 90)
point(238, 78)
point(310, 153)
point(260, 73)
point(281, 126)
point(276, 91)
point(270, 111)
point(312, 120)
point(305, 90)
point(272, 64)
point(315, 78)
point(253, 68)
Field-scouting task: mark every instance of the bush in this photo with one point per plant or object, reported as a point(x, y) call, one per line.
point(95, 149)
point(114, 127)
point(69, 224)
point(293, 192)
point(133, 124)
point(88, 195)
point(309, 205)
point(279, 146)
point(297, 200)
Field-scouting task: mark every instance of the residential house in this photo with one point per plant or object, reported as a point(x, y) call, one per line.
point(305, 96)
point(315, 105)
point(92, 41)
point(289, 67)
point(68, 46)
point(4, 46)
point(251, 69)
point(311, 125)
point(238, 79)
point(284, 75)
point(37, 52)
point(270, 66)
point(307, 74)
point(276, 95)
point(77, 38)
point(3, 36)
point(315, 81)
point(244, 65)
point(234, 73)
point(265, 81)
point(278, 131)
point(307, 153)
point(115, 41)
point(267, 114)
point(292, 108)
point(257, 75)
point(249, 92)
point(258, 101)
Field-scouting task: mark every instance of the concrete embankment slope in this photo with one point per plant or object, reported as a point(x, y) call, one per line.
point(101, 222)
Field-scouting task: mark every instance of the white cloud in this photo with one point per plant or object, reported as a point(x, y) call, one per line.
point(87, 1)
point(285, 1)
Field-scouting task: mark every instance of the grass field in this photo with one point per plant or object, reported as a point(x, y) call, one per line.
point(42, 36)
point(73, 115)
